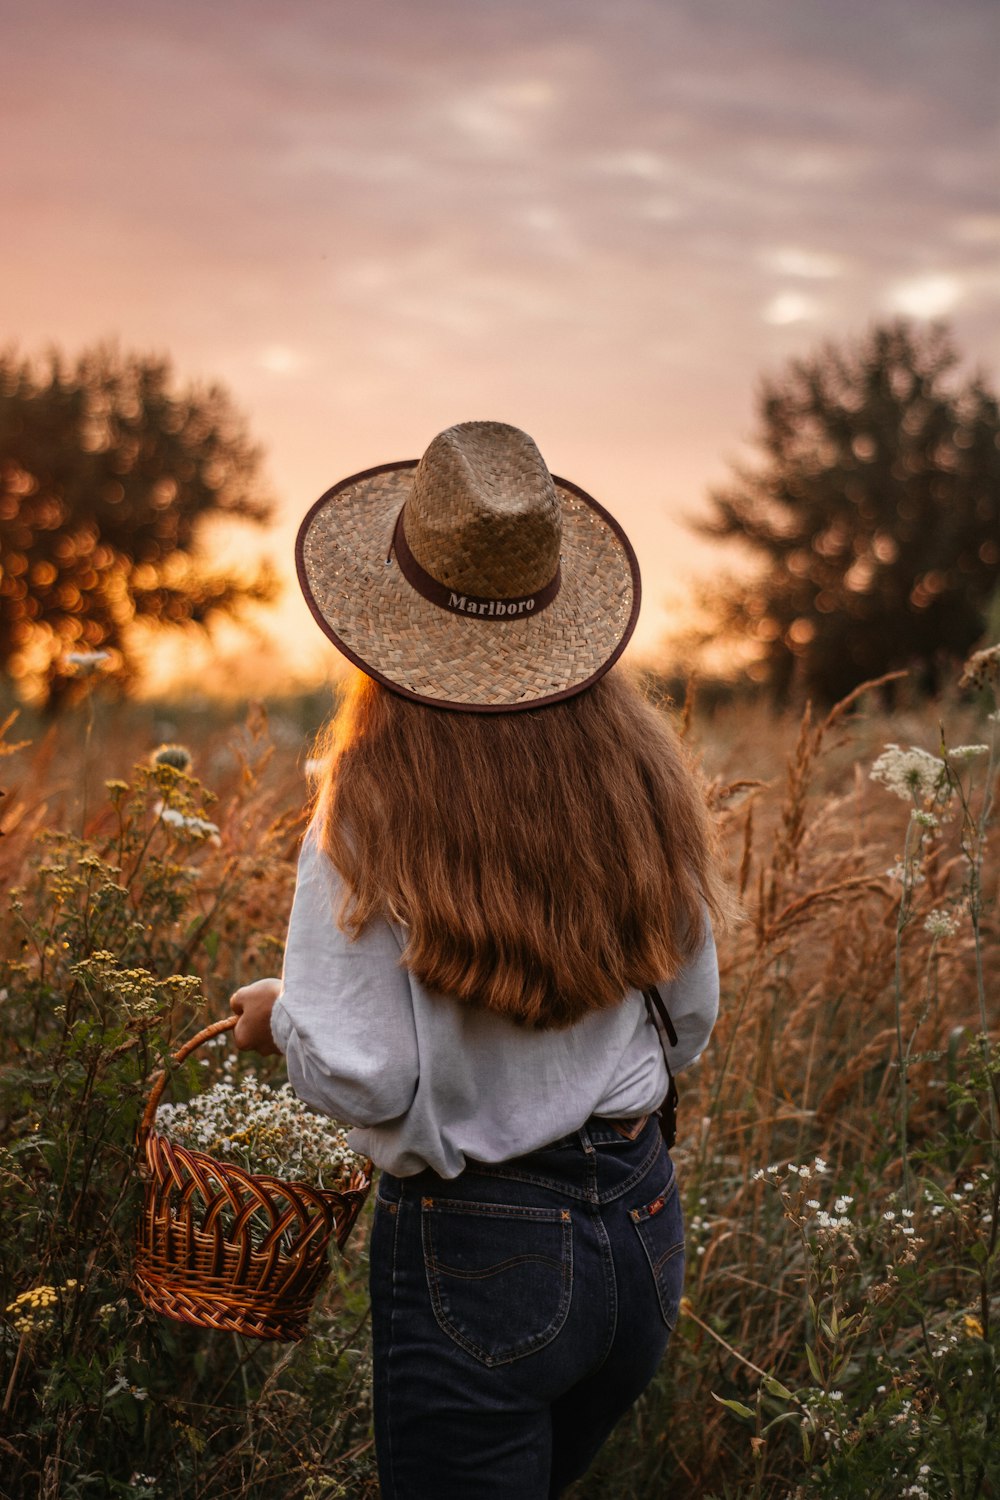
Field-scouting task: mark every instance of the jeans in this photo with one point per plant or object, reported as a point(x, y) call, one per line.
point(518, 1311)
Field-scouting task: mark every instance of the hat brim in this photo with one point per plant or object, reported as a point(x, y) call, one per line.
point(360, 599)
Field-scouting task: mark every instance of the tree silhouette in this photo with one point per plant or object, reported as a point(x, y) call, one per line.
point(874, 512)
point(108, 475)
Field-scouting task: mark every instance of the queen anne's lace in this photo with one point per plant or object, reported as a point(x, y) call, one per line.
point(940, 923)
point(914, 775)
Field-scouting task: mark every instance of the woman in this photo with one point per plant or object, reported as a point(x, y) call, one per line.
point(507, 849)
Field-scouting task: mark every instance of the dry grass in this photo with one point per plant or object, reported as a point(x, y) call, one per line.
point(804, 1061)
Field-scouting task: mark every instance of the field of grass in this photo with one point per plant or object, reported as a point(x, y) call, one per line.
point(837, 1150)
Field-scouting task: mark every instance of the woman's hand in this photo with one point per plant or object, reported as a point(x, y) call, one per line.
point(253, 1004)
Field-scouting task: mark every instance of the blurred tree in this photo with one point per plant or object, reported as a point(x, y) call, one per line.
point(108, 475)
point(874, 511)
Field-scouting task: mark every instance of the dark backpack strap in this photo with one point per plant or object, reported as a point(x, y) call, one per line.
point(667, 1112)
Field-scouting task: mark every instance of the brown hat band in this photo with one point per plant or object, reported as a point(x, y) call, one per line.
point(458, 603)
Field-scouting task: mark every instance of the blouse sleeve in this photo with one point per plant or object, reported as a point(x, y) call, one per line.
point(692, 1002)
point(344, 1018)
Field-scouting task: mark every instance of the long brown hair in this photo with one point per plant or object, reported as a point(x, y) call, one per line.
point(542, 862)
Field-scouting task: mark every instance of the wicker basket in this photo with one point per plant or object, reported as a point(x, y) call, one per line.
point(221, 1247)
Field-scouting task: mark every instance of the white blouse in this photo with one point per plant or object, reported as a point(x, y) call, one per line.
point(428, 1081)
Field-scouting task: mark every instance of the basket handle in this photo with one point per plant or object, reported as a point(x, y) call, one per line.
point(159, 1079)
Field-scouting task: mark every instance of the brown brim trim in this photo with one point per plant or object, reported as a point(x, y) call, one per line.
point(465, 708)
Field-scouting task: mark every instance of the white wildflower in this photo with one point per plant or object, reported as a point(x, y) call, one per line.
point(263, 1129)
point(941, 924)
point(926, 819)
point(912, 775)
point(200, 826)
point(968, 752)
point(902, 874)
point(889, 1216)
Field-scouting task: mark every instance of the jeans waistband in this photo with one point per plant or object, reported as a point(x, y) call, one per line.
point(566, 1164)
point(602, 1129)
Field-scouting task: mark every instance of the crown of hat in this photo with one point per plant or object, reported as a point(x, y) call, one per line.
point(483, 514)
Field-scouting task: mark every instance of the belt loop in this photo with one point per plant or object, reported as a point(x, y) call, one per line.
point(585, 1140)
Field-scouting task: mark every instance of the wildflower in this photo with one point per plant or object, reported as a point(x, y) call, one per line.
point(819, 1164)
point(201, 826)
point(972, 1326)
point(843, 1203)
point(968, 752)
point(981, 668)
point(926, 819)
point(87, 662)
point(35, 1308)
point(889, 1216)
point(902, 874)
point(941, 924)
point(177, 756)
point(912, 775)
point(262, 1128)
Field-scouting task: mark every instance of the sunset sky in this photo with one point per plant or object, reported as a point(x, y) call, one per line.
point(598, 219)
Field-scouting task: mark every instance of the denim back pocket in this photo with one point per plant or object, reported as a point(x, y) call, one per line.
point(660, 1227)
point(500, 1277)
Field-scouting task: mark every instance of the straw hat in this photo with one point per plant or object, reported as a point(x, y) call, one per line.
point(470, 579)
